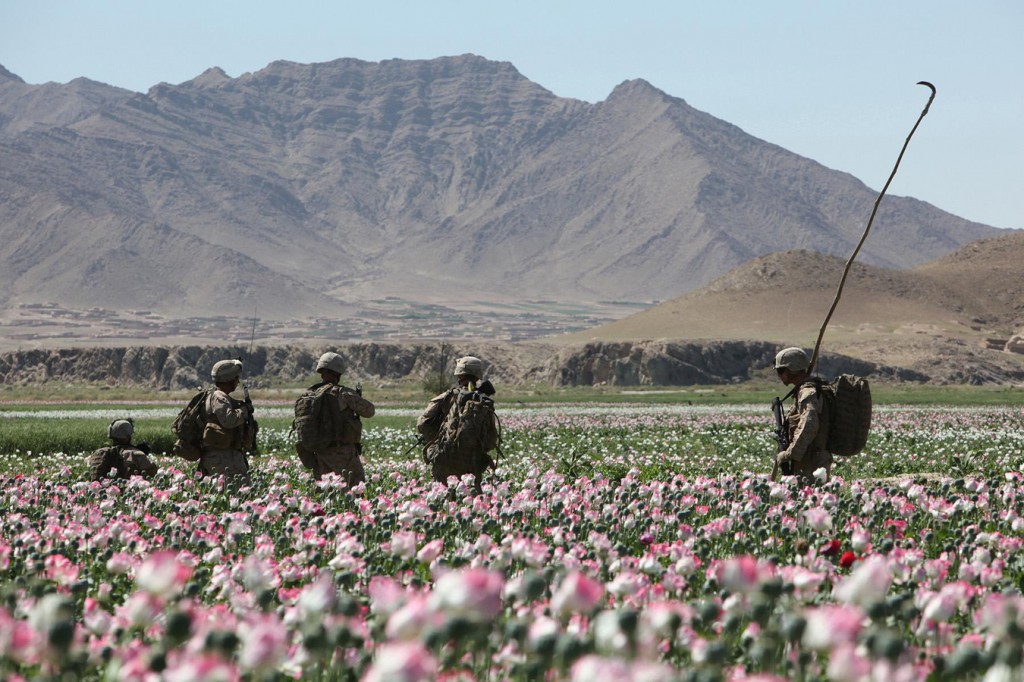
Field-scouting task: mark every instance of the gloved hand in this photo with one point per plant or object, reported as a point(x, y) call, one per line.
point(783, 457)
point(248, 406)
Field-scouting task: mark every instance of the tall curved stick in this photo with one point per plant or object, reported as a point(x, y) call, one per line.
point(846, 271)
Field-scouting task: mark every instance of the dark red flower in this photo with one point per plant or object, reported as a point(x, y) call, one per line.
point(847, 559)
point(830, 548)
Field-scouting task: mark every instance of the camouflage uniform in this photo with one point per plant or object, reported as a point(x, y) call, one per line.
point(226, 437)
point(125, 460)
point(342, 458)
point(452, 462)
point(462, 455)
point(807, 424)
point(429, 426)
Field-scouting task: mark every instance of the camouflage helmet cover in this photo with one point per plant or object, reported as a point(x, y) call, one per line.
point(793, 359)
point(226, 370)
point(470, 365)
point(332, 362)
point(121, 429)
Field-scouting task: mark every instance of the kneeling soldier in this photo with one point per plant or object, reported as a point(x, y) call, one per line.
point(121, 457)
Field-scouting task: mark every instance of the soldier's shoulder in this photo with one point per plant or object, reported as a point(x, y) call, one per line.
point(808, 389)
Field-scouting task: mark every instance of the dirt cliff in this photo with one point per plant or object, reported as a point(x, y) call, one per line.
point(642, 363)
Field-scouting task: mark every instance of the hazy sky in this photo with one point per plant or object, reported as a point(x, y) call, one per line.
point(832, 80)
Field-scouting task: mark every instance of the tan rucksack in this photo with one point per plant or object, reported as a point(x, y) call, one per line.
point(188, 428)
point(469, 431)
point(105, 460)
point(319, 420)
point(848, 403)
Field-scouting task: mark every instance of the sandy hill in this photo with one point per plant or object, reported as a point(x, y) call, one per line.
point(970, 299)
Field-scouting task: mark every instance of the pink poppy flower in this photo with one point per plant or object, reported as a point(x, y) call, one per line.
point(120, 563)
point(846, 665)
point(430, 551)
point(860, 540)
point(410, 621)
point(738, 574)
point(162, 575)
point(401, 662)
point(831, 626)
point(60, 570)
point(264, 643)
point(403, 545)
point(868, 583)
point(625, 584)
point(577, 593)
point(599, 669)
point(386, 595)
point(318, 596)
point(473, 593)
point(201, 668)
point(818, 519)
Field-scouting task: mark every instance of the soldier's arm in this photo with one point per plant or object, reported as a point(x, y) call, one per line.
point(225, 410)
point(432, 415)
point(809, 418)
point(144, 464)
point(356, 403)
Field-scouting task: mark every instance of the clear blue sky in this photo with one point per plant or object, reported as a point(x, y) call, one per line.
point(832, 80)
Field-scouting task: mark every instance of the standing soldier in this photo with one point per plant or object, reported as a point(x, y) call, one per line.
point(230, 430)
point(327, 424)
point(459, 426)
point(807, 422)
point(121, 457)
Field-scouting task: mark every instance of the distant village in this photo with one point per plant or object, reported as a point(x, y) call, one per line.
point(387, 319)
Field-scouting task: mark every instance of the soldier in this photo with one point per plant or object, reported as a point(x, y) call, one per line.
point(807, 422)
point(459, 427)
point(123, 458)
point(327, 420)
point(230, 428)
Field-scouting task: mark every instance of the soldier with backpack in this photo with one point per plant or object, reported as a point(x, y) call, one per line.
point(121, 457)
point(459, 427)
point(327, 424)
point(229, 430)
point(808, 422)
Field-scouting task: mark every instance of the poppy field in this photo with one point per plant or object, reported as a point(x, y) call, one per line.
point(617, 542)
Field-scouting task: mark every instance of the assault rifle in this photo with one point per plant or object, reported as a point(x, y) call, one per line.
point(782, 438)
point(420, 441)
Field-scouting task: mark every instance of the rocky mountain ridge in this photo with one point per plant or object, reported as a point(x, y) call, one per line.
point(305, 188)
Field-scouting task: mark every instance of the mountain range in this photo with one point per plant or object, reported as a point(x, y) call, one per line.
point(308, 188)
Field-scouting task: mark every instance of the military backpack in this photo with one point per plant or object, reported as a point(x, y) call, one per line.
point(188, 428)
point(469, 431)
point(319, 420)
point(105, 460)
point(848, 404)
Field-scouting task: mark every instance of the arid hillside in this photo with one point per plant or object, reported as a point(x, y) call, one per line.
point(964, 309)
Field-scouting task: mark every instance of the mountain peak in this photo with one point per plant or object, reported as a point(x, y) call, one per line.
point(638, 87)
point(6, 75)
point(212, 77)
